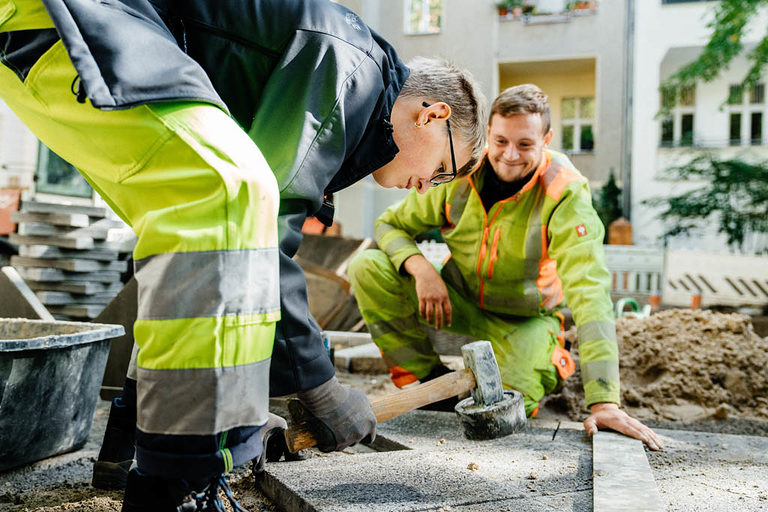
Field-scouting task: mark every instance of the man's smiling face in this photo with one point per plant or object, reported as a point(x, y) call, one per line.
point(516, 144)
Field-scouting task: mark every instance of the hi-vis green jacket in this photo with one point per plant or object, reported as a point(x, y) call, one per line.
point(527, 256)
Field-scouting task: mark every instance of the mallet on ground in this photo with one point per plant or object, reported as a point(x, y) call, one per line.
point(490, 413)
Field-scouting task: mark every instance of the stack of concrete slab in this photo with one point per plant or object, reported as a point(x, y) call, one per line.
point(65, 258)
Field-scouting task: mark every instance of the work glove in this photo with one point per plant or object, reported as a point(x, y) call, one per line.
point(274, 445)
point(338, 415)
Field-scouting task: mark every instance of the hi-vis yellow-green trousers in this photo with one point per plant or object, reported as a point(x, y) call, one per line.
point(203, 202)
point(390, 307)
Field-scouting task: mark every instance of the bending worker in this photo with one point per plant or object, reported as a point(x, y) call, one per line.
point(214, 129)
point(524, 238)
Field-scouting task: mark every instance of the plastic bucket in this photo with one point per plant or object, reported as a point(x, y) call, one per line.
point(50, 375)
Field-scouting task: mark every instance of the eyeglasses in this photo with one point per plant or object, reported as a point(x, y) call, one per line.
point(445, 177)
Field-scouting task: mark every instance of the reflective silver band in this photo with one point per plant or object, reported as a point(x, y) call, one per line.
point(594, 370)
point(593, 331)
point(202, 401)
point(550, 174)
point(459, 201)
point(208, 284)
point(533, 243)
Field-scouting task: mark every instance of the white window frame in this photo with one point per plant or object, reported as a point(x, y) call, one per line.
point(746, 109)
point(577, 122)
point(424, 27)
point(676, 113)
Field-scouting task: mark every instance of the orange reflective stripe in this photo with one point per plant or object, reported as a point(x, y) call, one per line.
point(563, 361)
point(562, 179)
point(535, 412)
point(402, 377)
point(448, 218)
point(561, 335)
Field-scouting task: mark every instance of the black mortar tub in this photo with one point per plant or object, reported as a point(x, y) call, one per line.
point(50, 375)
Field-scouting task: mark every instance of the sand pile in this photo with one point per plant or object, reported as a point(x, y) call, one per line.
point(684, 365)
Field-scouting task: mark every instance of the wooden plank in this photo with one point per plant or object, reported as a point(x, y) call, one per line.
point(38, 207)
point(48, 251)
point(57, 241)
point(78, 220)
point(621, 476)
point(69, 264)
point(54, 274)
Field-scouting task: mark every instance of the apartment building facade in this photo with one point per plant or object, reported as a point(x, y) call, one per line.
point(600, 62)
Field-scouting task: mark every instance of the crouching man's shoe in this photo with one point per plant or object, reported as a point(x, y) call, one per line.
point(144, 493)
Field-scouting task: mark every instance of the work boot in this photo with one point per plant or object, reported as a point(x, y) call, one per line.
point(446, 405)
point(117, 450)
point(144, 493)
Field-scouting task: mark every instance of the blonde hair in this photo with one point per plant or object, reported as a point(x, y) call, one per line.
point(522, 99)
point(439, 80)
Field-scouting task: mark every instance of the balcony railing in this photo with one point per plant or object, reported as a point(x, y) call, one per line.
point(541, 11)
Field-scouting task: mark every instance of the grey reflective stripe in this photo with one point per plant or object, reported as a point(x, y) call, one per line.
point(379, 329)
point(594, 370)
point(459, 201)
point(592, 331)
point(202, 401)
point(132, 365)
point(533, 244)
point(208, 284)
point(550, 174)
point(451, 274)
point(381, 229)
point(398, 243)
point(521, 306)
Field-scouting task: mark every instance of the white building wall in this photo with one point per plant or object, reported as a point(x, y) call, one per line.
point(667, 36)
point(18, 151)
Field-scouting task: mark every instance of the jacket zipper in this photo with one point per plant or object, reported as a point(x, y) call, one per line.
point(494, 253)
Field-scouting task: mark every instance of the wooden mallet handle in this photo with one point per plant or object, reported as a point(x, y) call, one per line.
point(387, 407)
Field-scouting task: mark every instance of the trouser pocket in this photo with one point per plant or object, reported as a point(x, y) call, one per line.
point(20, 50)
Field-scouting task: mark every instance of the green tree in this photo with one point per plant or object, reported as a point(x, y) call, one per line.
point(728, 25)
point(608, 202)
point(735, 197)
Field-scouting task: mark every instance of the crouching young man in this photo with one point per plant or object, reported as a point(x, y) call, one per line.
point(524, 241)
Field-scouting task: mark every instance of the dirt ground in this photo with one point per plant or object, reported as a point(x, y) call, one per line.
point(680, 368)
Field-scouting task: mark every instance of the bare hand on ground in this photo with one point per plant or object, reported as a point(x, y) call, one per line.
point(434, 304)
point(608, 415)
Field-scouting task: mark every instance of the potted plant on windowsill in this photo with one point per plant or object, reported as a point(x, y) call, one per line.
point(507, 7)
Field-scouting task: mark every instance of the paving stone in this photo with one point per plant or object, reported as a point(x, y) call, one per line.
point(47, 251)
point(360, 359)
point(59, 219)
point(75, 287)
point(524, 471)
point(72, 265)
point(622, 477)
point(54, 274)
point(57, 241)
point(42, 229)
point(38, 207)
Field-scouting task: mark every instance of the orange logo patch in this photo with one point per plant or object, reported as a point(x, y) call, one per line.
point(581, 230)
